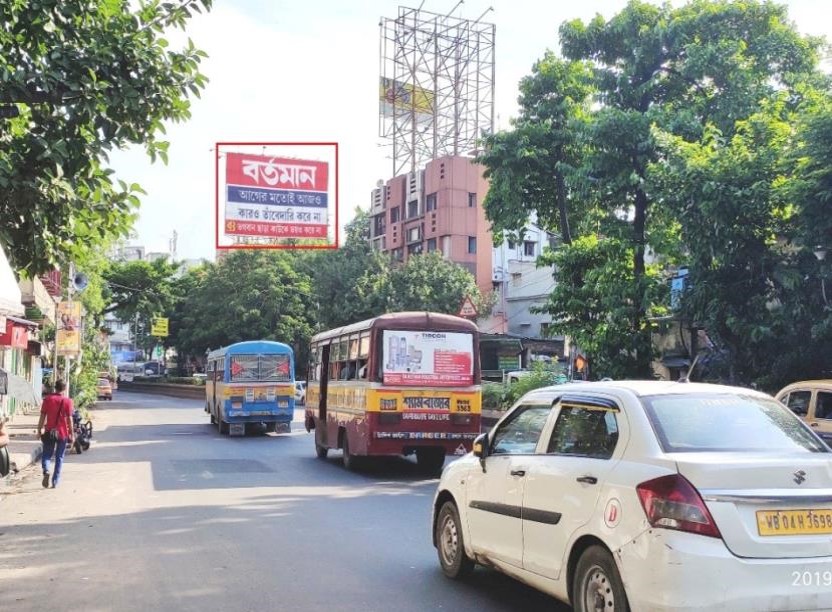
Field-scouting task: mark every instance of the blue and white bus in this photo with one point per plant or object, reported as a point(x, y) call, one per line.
point(251, 383)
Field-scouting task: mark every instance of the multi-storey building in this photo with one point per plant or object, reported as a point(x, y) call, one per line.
point(440, 209)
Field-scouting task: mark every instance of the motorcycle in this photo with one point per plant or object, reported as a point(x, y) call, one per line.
point(83, 432)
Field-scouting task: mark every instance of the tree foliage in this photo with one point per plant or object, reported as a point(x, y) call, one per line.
point(678, 144)
point(249, 295)
point(357, 282)
point(140, 289)
point(86, 77)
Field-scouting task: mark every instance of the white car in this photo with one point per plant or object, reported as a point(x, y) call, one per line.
point(300, 392)
point(646, 495)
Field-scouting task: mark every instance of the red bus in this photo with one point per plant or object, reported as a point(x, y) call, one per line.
point(399, 384)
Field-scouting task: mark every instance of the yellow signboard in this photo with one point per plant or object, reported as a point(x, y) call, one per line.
point(404, 97)
point(159, 327)
point(69, 328)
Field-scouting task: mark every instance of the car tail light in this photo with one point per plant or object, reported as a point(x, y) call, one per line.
point(672, 502)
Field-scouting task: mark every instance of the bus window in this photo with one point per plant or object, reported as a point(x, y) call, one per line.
point(353, 347)
point(364, 345)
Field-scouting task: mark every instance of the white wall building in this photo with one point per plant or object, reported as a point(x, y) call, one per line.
point(520, 284)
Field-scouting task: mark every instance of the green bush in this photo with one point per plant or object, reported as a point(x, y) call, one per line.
point(492, 395)
point(502, 396)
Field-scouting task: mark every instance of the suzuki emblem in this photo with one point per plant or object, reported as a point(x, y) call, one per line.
point(799, 476)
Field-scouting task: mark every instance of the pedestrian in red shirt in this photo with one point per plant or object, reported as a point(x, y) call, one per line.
point(55, 431)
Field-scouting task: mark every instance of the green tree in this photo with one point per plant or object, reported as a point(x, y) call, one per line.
point(249, 295)
point(140, 289)
point(348, 282)
point(654, 71)
point(85, 77)
point(431, 282)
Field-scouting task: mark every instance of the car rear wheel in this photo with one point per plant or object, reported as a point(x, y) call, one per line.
point(449, 543)
point(321, 451)
point(597, 585)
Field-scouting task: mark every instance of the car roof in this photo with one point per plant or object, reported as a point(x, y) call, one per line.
point(639, 388)
point(821, 382)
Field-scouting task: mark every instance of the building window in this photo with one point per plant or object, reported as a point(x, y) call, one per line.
point(430, 202)
point(379, 226)
point(544, 329)
point(394, 215)
point(413, 234)
point(472, 244)
point(431, 244)
point(528, 248)
point(414, 249)
point(472, 200)
point(512, 245)
point(515, 278)
point(412, 209)
point(398, 254)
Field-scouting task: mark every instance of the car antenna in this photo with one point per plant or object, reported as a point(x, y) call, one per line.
point(686, 377)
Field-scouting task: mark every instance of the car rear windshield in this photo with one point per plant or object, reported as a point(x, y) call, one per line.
point(727, 423)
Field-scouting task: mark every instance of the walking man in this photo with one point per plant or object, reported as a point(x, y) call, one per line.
point(55, 431)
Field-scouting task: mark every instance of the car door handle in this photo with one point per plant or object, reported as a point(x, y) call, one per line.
point(520, 473)
point(816, 424)
point(587, 479)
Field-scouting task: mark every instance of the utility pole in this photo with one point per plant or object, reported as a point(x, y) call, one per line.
point(69, 288)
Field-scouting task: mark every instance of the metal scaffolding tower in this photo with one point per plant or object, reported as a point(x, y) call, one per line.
point(437, 85)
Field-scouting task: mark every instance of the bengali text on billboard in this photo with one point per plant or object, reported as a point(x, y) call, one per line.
point(275, 196)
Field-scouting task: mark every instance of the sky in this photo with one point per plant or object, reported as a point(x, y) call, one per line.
point(303, 71)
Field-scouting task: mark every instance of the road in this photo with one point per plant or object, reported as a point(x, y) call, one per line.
point(164, 514)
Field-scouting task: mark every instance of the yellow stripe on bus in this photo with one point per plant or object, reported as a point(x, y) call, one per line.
point(361, 397)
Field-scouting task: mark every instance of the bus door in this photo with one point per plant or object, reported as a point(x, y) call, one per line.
point(321, 428)
point(213, 374)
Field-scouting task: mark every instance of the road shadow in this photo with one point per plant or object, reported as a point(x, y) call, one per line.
point(324, 551)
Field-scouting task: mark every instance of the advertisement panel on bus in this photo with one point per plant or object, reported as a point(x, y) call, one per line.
point(435, 358)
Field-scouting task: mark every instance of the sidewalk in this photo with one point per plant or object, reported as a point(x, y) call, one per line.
point(24, 445)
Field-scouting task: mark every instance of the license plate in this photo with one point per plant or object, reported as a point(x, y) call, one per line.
point(794, 522)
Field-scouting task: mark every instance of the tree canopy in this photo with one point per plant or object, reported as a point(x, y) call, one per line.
point(661, 137)
point(84, 77)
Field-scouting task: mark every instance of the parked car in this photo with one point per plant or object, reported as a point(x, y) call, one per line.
point(300, 392)
point(645, 495)
point(811, 400)
point(104, 390)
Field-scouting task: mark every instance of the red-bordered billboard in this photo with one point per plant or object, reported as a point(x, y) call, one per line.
point(276, 196)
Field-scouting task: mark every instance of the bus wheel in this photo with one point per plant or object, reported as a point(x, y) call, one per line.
point(271, 427)
point(430, 460)
point(321, 451)
point(350, 460)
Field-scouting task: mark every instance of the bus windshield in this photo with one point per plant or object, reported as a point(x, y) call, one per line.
point(427, 358)
point(260, 368)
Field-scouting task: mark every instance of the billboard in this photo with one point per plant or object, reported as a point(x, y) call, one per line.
point(400, 98)
point(275, 196)
point(69, 328)
point(429, 358)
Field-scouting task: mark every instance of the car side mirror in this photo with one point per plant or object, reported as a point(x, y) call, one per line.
point(481, 448)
